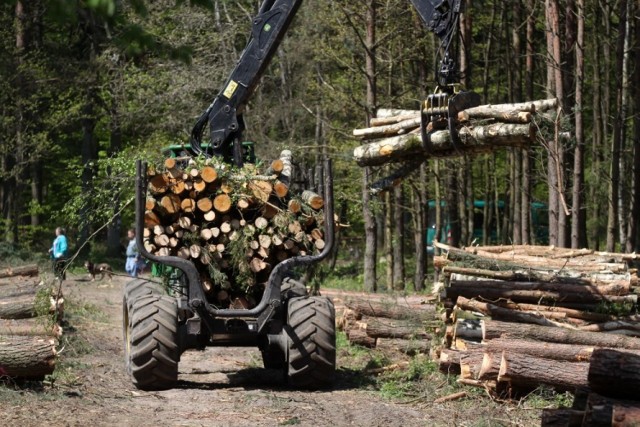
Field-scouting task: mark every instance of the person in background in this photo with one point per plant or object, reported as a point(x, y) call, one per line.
point(135, 264)
point(58, 253)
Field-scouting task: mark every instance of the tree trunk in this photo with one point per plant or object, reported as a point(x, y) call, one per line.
point(370, 254)
point(388, 240)
point(525, 371)
point(545, 350)
point(392, 311)
point(27, 357)
point(579, 222)
point(398, 239)
point(379, 328)
point(495, 329)
point(614, 171)
point(633, 238)
point(561, 418)
point(25, 270)
point(615, 373)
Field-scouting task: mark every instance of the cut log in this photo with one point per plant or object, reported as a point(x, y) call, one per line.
point(20, 307)
point(22, 286)
point(615, 373)
point(359, 337)
point(40, 326)
point(261, 190)
point(547, 350)
point(490, 365)
point(625, 415)
point(392, 310)
point(378, 328)
point(208, 174)
point(25, 270)
point(559, 288)
point(496, 329)
point(170, 204)
point(27, 357)
point(476, 139)
point(561, 418)
point(471, 364)
point(382, 131)
point(533, 296)
point(501, 313)
point(522, 370)
point(312, 199)
point(222, 203)
point(600, 411)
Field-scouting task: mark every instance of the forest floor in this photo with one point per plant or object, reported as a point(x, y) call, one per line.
point(224, 386)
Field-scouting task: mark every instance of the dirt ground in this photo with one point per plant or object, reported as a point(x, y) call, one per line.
point(218, 386)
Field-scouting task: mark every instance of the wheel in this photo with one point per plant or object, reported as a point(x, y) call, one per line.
point(311, 349)
point(151, 341)
point(273, 357)
point(141, 287)
point(291, 288)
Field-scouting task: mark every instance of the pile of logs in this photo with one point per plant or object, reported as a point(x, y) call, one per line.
point(524, 316)
point(383, 323)
point(235, 225)
point(29, 328)
point(394, 135)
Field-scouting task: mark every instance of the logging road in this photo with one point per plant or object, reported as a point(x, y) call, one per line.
point(218, 387)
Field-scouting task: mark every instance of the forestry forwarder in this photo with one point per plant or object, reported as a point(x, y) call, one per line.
point(294, 331)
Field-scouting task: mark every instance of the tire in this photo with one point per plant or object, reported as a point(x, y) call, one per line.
point(152, 349)
point(291, 288)
point(273, 357)
point(141, 287)
point(311, 352)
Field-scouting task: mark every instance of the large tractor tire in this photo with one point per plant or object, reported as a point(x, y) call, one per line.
point(273, 357)
point(140, 287)
point(152, 349)
point(311, 349)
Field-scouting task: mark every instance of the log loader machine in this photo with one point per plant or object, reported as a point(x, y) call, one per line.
point(295, 331)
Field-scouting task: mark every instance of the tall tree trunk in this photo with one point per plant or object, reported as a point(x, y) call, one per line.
point(398, 239)
point(634, 217)
point(596, 213)
point(614, 181)
point(370, 255)
point(553, 157)
point(579, 223)
point(420, 228)
point(525, 208)
point(388, 239)
point(624, 184)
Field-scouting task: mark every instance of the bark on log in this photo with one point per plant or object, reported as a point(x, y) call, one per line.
point(599, 410)
point(27, 357)
point(615, 373)
point(563, 288)
point(547, 350)
point(625, 416)
point(20, 307)
point(391, 310)
point(24, 270)
point(22, 286)
point(522, 370)
point(479, 138)
point(378, 328)
point(533, 296)
point(500, 313)
point(42, 326)
point(359, 336)
point(470, 364)
point(495, 329)
point(561, 418)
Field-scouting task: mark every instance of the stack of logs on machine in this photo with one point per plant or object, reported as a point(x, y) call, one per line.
point(30, 312)
point(522, 317)
point(234, 224)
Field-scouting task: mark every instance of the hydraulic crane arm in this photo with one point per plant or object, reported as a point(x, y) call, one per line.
point(224, 115)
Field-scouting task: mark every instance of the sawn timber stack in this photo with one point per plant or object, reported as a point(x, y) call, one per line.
point(234, 224)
